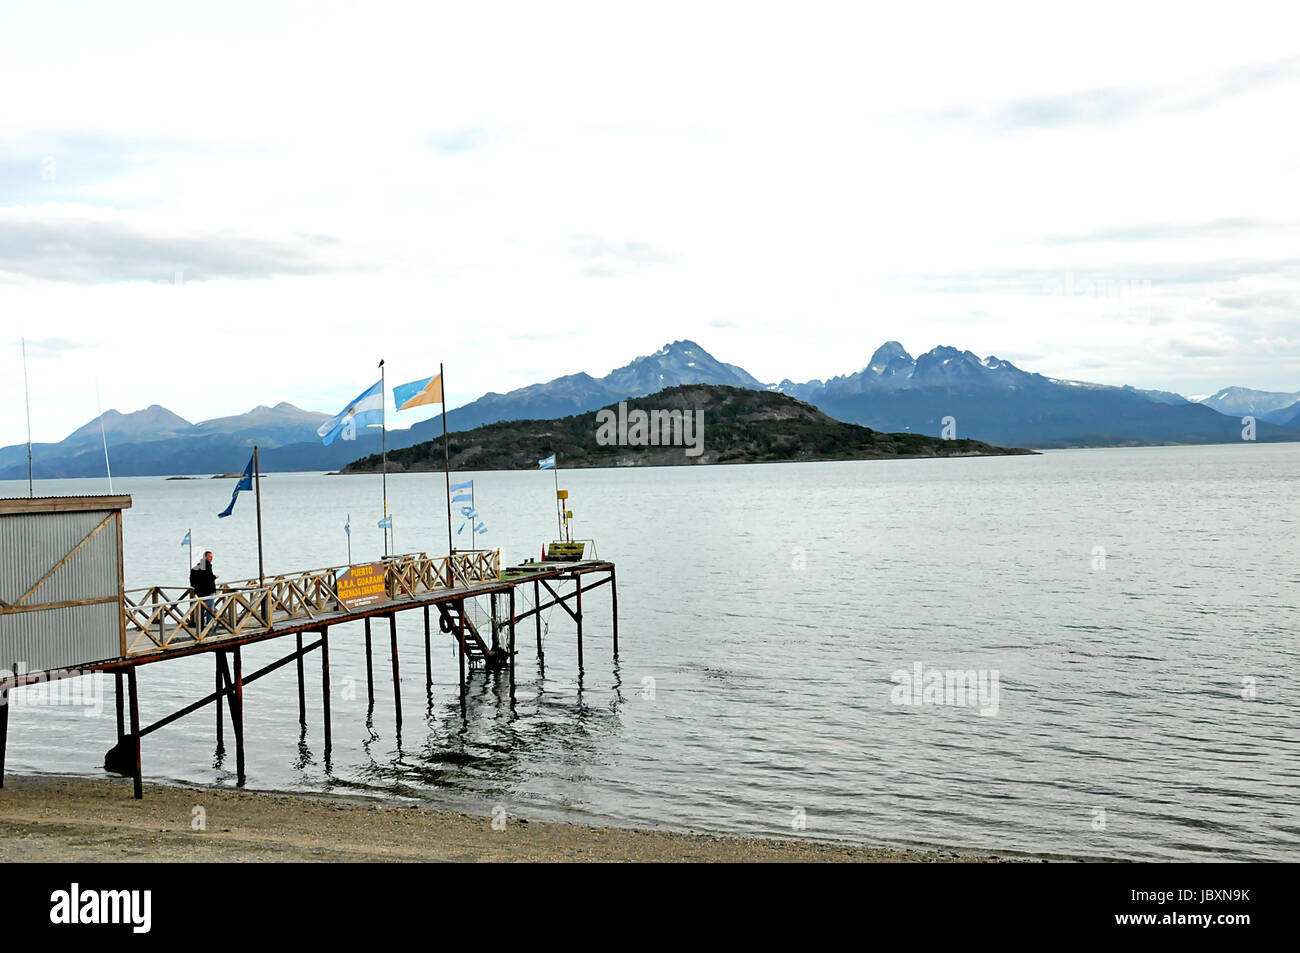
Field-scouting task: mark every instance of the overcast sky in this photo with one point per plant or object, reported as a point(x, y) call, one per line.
point(215, 206)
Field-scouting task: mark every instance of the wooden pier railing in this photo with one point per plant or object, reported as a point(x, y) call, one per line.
point(160, 618)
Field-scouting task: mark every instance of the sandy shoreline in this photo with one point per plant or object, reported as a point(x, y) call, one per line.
point(82, 820)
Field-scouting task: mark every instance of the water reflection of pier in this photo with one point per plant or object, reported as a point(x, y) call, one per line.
point(159, 624)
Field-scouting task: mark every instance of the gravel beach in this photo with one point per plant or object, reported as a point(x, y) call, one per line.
point(81, 820)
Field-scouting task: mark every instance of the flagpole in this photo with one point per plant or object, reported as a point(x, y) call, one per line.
point(349, 536)
point(559, 530)
point(189, 541)
point(446, 473)
point(383, 426)
point(257, 493)
point(28, 399)
point(104, 436)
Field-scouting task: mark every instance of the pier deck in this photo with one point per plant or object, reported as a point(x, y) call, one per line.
point(159, 624)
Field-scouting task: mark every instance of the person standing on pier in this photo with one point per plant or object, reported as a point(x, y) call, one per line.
point(204, 583)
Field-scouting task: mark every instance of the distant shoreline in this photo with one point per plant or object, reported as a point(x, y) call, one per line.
point(606, 465)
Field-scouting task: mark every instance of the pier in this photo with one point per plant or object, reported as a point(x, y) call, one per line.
point(63, 574)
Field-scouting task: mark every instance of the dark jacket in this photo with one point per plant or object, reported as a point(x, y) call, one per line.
point(202, 580)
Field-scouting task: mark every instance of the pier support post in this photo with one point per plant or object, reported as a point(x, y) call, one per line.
point(537, 614)
point(302, 692)
point(397, 681)
point(428, 658)
point(578, 579)
point(613, 595)
point(136, 777)
point(237, 714)
point(370, 674)
point(4, 732)
point(121, 713)
point(460, 642)
point(325, 685)
point(512, 641)
point(496, 629)
point(217, 658)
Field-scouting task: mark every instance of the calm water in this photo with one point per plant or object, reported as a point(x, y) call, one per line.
point(763, 611)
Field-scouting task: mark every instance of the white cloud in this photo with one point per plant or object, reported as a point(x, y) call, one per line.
point(440, 182)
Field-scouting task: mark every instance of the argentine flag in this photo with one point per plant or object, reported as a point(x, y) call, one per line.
point(386, 522)
point(547, 464)
point(464, 492)
point(367, 410)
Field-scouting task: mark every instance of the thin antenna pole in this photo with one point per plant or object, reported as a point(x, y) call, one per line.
point(383, 437)
point(257, 492)
point(28, 399)
point(446, 465)
point(103, 435)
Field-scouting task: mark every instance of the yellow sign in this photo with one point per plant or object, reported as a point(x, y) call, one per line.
point(565, 551)
point(361, 585)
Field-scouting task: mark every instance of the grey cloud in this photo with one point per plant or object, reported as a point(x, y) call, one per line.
point(1162, 231)
point(1108, 106)
point(100, 251)
point(51, 347)
point(64, 165)
point(1134, 277)
point(1275, 299)
point(605, 259)
point(458, 142)
point(1193, 348)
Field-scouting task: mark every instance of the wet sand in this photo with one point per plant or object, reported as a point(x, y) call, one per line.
point(81, 820)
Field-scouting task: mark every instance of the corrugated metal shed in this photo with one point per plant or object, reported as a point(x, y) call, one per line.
point(60, 581)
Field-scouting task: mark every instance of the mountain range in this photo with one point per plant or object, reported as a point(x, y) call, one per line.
point(988, 399)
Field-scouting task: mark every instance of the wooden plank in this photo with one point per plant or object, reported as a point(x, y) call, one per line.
point(66, 604)
point(62, 504)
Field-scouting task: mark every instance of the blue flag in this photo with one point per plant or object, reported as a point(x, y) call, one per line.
point(186, 541)
point(547, 463)
point(347, 527)
point(386, 522)
point(467, 485)
point(366, 410)
point(481, 528)
point(463, 498)
point(245, 483)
